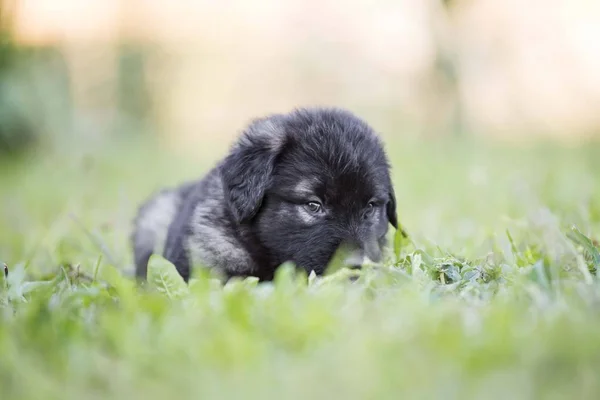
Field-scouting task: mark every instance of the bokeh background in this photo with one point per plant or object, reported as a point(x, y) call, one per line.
point(193, 72)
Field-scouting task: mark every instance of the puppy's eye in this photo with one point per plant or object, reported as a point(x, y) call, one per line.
point(314, 207)
point(370, 209)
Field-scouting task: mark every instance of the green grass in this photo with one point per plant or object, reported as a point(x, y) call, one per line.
point(496, 295)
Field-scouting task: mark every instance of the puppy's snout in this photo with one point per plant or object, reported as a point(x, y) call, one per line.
point(361, 253)
point(355, 259)
point(372, 250)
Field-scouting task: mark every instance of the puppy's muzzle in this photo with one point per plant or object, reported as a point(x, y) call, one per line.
point(368, 251)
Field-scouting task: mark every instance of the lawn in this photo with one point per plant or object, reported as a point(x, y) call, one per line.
point(495, 296)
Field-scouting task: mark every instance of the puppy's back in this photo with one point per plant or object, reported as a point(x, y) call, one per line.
point(151, 224)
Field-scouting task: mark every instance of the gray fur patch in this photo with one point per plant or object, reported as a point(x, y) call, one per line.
point(275, 134)
point(305, 216)
point(211, 244)
point(154, 220)
point(305, 187)
point(269, 129)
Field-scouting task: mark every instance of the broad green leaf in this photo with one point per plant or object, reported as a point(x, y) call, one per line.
point(163, 276)
point(401, 240)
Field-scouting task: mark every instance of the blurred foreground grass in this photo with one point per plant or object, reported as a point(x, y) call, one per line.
point(496, 297)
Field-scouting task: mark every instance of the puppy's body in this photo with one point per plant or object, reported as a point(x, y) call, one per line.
point(190, 225)
point(295, 187)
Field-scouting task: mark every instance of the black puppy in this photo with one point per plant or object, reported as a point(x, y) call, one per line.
point(295, 187)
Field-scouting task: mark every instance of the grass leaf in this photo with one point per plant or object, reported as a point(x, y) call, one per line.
point(163, 276)
point(401, 240)
point(588, 246)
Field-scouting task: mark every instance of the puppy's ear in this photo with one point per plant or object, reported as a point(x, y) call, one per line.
point(391, 208)
point(247, 171)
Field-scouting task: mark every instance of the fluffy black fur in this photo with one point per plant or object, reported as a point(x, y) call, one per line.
point(294, 187)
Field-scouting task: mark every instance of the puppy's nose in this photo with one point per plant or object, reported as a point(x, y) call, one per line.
point(360, 254)
point(372, 250)
point(367, 242)
point(355, 259)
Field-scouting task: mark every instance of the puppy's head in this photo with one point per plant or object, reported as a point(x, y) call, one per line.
point(309, 182)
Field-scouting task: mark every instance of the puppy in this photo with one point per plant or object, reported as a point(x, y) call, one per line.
point(295, 187)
